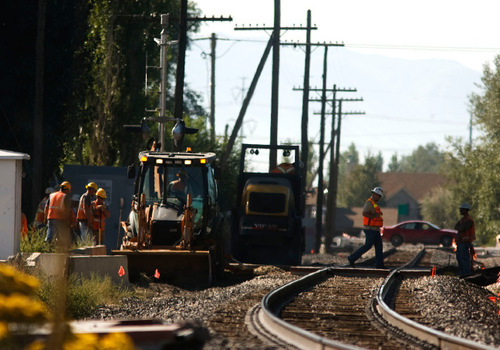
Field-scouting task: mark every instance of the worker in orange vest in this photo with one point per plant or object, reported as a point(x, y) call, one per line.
point(84, 213)
point(58, 214)
point(100, 213)
point(466, 234)
point(24, 226)
point(372, 222)
point(40, 219)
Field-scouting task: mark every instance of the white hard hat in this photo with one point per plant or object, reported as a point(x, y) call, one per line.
point(465, 206)
point(75, 198)
point(379, 191)
point(49, 190)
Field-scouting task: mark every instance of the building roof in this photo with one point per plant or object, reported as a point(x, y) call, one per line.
point(416, 184)
point(4, 154)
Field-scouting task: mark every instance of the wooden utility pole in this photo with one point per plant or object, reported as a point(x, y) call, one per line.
point(305, 101)
point(181, 60)
point(331, 205)
point(38, 110)
point(275, 76)
point(213, 42)
point(246, 102)
point(275, 84)
point(319, 196)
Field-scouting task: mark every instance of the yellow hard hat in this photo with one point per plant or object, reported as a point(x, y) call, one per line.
point(65, 186)
point(92, 184)
point(101, 193)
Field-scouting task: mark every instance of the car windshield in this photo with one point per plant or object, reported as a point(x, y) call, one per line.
point(433, 226)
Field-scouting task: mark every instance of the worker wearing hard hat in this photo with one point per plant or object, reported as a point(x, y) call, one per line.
point(465, 236)
point(40, 218)
point(58, 214)
point(372, 222)
point(84, 213)
point(100, 213)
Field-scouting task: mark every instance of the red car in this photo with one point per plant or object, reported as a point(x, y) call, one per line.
point(417, 232)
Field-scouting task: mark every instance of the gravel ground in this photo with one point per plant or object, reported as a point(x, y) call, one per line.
point(453, 305)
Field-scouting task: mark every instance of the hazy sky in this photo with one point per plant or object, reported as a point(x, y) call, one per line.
point(461, 31)
point(466, 31)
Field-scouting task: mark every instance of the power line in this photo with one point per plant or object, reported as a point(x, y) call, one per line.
point(424, 48)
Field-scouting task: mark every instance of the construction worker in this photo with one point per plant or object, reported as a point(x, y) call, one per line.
point(75, 229)
point(180, 188)
point(84, 214)
point(24, 226)
point(58, 214)
point(40, 219)
point(465, 236)
point(372, 222)
point(100, 213)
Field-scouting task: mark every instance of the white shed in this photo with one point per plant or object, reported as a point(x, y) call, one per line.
point(11, 168)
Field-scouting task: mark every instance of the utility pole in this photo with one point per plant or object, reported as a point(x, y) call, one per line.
point(305, 108)
point(331, 205)
point(319, 197)
point(38, 112)
point(275, 76)
point(180, 72)
point(163, 84)
point(213, 42)
point(275, 84)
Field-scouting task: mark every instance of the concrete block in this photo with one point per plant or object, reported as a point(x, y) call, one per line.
point(52, 264)
point(95, 250)
point(102, 265)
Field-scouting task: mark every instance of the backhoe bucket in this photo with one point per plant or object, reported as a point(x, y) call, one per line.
point(171, 266)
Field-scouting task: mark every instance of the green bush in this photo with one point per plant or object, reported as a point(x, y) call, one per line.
point(84, 294)
point(35, 242)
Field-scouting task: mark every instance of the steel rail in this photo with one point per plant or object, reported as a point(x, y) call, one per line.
point(424, 333)
point(265, 316)
point(302, 339)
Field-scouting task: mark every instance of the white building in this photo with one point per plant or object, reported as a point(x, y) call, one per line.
point(11, 168)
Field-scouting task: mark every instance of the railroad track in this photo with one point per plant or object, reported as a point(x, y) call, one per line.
point(351, 308)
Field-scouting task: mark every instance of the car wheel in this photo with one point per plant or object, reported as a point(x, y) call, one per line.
point(446, 241)
point(396, 240)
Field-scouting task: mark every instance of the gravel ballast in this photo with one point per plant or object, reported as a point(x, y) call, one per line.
point(451, 304)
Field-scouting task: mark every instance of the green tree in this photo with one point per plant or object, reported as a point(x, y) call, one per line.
point(108, 91)
point(357, 180)
point(472, 169)
point(438, 207)
point(425, 159)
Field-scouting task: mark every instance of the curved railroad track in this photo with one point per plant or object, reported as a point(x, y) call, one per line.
point(349, 308)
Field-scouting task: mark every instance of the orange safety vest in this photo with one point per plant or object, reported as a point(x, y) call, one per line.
point(379, 222)
point(40, 212)
point(99, 221)
point(284, 168)
point(80, 215)
point(468, 235)
point(57, 209)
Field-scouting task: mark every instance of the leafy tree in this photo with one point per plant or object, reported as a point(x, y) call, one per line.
point(394, 164)
point(357, 180)
point(472, 168)
point(425, 159)
point(108, 92)
point(438, 207)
